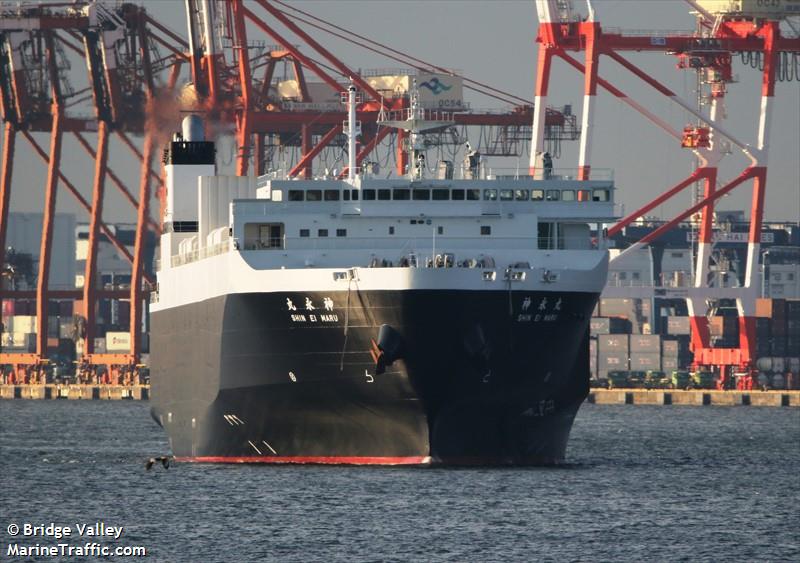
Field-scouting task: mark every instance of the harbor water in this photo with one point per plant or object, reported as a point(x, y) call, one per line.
point(642, 483)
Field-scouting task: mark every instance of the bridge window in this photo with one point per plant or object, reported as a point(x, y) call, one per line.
point(473, 195)
point(296, 195)
point(458, 195)
point(341, 232)
point(441, 194)
point(553, 195)
point(506, 195)
point(314, 195)
point(258, 236)
point(401, 194)
point(304, 233)
point(490, 195)
point(521, 195)
point(384, 195)
point(568, 195)
point(421, 195)
point(584, 195)
point(331, 195)
point(368, 195)
point(322, 233)
point(600, 195)
point(537, 195)
point(346, 195)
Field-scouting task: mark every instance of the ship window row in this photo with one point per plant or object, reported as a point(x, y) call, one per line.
point(322, 233)
point(446, 194)
point(323, 195)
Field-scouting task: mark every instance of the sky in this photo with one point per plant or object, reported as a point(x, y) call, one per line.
point(494, 43)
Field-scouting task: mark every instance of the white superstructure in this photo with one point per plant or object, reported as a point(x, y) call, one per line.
point(488, 231)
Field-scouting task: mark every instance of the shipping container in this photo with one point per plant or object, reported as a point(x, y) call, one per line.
point(678, 325)
point(66, 328)
point(671, 347)
point(606, 362)
point(648, 343)
point(771, 308)
point(612, 343)
point(778, 327)
point(609, 325)
point(52, 327)
point(617, 307)
point(118, 341)
point(599, 325)
point(645, 361)
point(7, 308)
point(670, 364)
point(777, 347)
point(762, 346)
point(24, 323)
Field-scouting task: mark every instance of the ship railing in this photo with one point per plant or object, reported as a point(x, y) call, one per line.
point(523, 173)
point(199, 254)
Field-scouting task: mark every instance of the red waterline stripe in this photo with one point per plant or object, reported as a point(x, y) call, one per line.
point(325, 460)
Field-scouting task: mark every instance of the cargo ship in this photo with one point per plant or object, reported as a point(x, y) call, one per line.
point(420, 319)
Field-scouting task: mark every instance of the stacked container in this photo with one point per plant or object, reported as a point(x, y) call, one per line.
point(612, 354)
point(675, 354)
point(609, 325)
point(677, 326)
point(645, 352)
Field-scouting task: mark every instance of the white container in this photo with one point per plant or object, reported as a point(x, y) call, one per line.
point(24, 323)
point(118, 341)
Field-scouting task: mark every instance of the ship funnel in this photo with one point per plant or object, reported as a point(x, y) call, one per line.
point(192, 128)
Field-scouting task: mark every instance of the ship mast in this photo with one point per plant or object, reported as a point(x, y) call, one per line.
point(414, 121)
point(353, 128)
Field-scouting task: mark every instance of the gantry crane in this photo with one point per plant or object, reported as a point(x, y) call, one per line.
point(722, 32)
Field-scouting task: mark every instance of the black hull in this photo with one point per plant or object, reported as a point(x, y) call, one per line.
point(470, 377)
